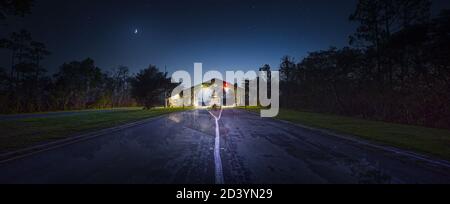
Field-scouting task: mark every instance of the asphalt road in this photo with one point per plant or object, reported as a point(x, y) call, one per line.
point(182, 147)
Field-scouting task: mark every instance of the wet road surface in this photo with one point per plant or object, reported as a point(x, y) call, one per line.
point(180, 148)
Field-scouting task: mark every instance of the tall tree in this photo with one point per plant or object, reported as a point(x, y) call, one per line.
point(78, 84)
point(18, 44)
point(38, 52)
point(148, 86)
point(378, 20)
point(287, 68)
point(121, 86)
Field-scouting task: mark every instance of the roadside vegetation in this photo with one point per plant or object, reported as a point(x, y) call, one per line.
point(16, 134)
point(26, 86)
point(424, 140)
point(395, 69)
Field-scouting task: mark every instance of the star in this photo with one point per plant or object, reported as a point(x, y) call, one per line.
point(136, 31)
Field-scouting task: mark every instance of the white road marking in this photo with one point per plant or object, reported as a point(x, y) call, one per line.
point(217, 158)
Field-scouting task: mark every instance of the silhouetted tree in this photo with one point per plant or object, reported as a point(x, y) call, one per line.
point(288, 73)
point(25, 72)
point(19, 45)
point(78, 84)
point(38, 52)
point(287, 68)
point(148, 85)
point(120, 86)
point(378, 19)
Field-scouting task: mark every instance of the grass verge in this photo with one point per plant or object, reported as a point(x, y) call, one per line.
point(16, 134)
point(78, 111)
point(430, 141)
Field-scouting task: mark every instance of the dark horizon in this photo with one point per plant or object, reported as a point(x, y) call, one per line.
point(222, 35)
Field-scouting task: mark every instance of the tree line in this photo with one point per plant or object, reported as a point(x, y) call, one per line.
point(25, 86)
point(396, 67)
point(76, 85)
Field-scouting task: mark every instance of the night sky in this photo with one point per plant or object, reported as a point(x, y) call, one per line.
point(222, 34)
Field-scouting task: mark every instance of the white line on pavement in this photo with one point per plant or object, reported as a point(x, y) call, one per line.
point(217, 158)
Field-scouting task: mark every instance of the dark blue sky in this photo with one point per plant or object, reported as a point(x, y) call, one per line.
point(223, 34)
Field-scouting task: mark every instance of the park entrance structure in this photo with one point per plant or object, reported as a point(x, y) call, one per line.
point(204, 95)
